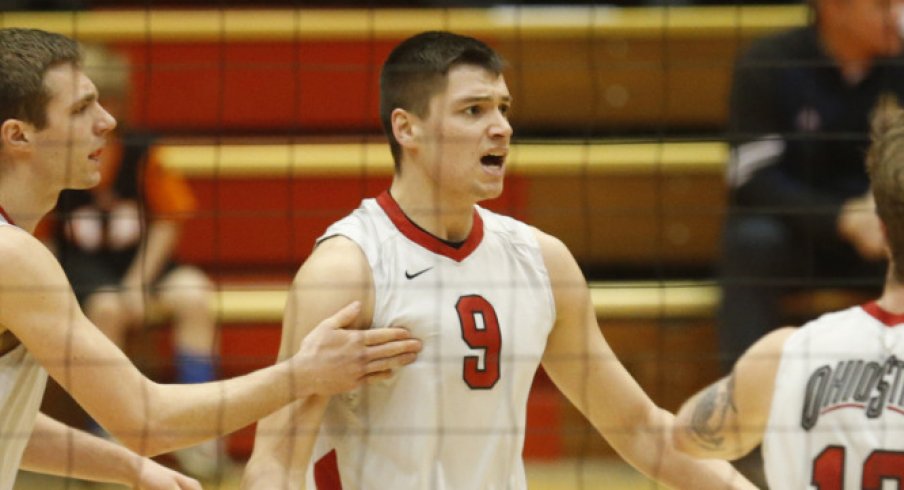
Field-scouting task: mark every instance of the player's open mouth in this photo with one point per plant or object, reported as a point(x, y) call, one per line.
point(95, 155)
point(493, 160)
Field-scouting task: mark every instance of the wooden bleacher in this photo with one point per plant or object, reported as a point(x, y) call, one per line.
point(588, 72)
point(624, 204)
point(601, 70)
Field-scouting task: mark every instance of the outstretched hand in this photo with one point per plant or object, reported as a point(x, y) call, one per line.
point(334, 359)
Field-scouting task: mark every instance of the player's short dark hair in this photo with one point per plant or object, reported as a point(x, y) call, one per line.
point(885, 163)
point(416, 70)
point(25, 57)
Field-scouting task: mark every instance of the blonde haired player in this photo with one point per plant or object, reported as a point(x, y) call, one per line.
point(52, 130)
point(825, 400)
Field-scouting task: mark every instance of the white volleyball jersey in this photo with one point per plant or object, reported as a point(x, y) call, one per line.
point(22, 382)
point(837, 416)
point(455, 418)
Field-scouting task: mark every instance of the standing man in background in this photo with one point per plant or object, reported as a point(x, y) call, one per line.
point(800, 212)
point(800, 215)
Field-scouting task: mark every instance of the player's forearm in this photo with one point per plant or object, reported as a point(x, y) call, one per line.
point(283, 446)
point(264, 473)
point(57, 449)
point(707, 425)
point(183, 415)
point(682, 471)
point(151, 418)
point(653, 452)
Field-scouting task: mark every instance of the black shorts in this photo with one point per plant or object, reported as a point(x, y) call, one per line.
point(89, 273)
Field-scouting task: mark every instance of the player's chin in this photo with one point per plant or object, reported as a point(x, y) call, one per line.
point(87, 181)
point(490, 190)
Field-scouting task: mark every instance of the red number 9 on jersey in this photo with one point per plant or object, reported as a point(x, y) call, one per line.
point(480, 330)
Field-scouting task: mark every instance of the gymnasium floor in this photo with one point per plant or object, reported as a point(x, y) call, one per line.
point(606, 474)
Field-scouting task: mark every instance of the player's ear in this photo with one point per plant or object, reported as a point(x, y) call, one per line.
point(404, 127)
point(15, 134)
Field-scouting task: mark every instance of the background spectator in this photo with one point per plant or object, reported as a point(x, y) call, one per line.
point(116, 244)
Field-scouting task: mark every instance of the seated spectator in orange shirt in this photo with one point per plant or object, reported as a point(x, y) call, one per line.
point(116, 244)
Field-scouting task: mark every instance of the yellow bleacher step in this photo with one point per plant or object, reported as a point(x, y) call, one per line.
point(641, 300)
point(369, 159)
point(504, 22)
point(628, 300)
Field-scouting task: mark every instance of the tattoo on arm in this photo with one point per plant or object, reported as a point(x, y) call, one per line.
point(710, 413)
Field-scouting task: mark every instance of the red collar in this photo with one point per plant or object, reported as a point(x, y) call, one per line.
point(6, 216)
point(421, 237)
point(887, 318)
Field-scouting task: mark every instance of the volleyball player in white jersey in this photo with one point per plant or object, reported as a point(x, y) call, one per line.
point(825, 400)
point(52, 130)
point(490, 297)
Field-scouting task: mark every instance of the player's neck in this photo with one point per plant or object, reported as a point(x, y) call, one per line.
point(442, 217)
point(25, 204)
point(892, 299)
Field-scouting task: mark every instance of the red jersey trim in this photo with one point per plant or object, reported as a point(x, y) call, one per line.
point(6, 216)
point(326, 472)
point(417, 235)
point(887, 318)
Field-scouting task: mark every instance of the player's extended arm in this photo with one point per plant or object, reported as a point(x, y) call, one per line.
point(582, 365)
point(335, 273)
point(727, 418)
point(38, 306)
point(57, 449)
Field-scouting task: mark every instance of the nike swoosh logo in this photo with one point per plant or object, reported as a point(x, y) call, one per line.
point(412, 276)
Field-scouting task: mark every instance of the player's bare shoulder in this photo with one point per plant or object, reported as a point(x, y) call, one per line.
point(755, 374)
point(338, 248)
point(560, 264)
point(335, 274)
point(29, 272)
point(549, 244)
point(758, 365)
point(334, 259)
point(25, 258)
point(770, 346)
point(13, 237)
